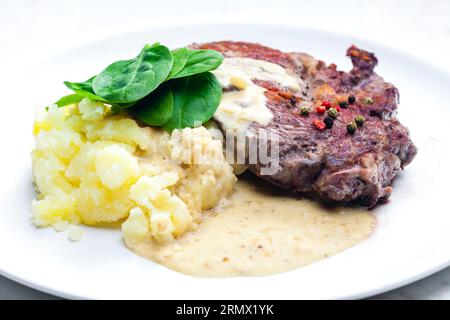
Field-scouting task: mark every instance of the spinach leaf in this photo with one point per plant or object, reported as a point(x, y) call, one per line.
point(158, 87)
point(180, 57)
point(155, 109)
point(84, 89)
point(200, 61)
point(117, 108)
point(195, 99)
point(68, 100)
point(131, 80)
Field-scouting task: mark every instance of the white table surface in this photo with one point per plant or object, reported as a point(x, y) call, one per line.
point(419, 27)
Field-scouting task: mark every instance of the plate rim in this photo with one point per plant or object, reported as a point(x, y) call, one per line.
point(141, 26)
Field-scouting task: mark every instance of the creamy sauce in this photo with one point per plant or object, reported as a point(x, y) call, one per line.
point(245, 102)
point(261, 231)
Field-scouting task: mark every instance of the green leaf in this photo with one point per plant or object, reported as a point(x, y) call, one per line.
point(119, 107)
point(155, 109)
point(68, 100)
point(180, 57)
point(131, 80)
point(200, 61)
point(195, 99)
point(84, 89)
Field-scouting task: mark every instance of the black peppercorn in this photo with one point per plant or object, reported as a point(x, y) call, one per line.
point(343, 104)
point(329, 122)
point(351, 99)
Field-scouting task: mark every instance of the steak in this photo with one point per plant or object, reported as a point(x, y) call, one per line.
point(333, 163)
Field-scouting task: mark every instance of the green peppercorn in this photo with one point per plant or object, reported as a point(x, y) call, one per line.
point(304, 111)
point(351, 127)
point(333, 113)
point(329, 122)
point(343, 104)
point(359, 120)
point(368, 100)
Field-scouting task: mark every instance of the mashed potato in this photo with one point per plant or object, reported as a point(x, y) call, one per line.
point(90, 167)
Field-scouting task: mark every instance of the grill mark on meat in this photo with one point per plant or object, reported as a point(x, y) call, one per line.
point(335, 165)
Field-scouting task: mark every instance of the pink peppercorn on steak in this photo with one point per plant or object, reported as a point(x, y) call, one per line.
point(338, 135)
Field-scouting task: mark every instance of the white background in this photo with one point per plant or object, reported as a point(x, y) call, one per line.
point(420, 28)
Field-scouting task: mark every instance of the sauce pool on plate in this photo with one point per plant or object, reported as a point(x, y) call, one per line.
point(260, 231)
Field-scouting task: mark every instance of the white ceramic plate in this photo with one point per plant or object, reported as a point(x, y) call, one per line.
point(410, 242)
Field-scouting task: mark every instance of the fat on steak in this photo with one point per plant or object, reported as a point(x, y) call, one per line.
point(337, 166)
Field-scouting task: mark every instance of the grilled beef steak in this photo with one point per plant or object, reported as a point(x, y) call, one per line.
point(331, 162)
